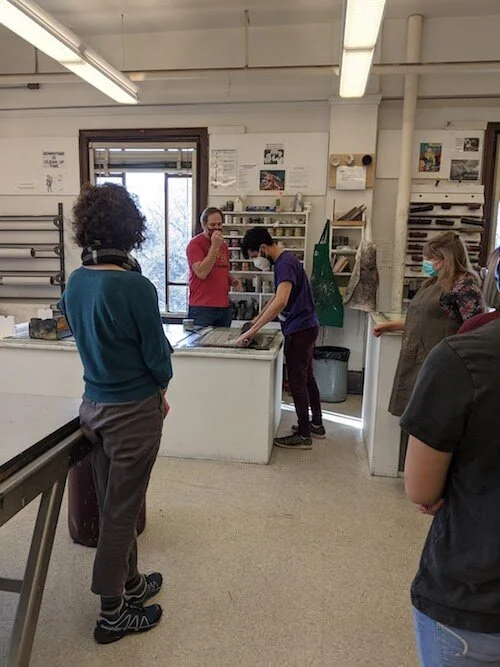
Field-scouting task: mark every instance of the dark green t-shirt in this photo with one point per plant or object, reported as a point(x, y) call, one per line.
point(116, 323)
point(455, 408)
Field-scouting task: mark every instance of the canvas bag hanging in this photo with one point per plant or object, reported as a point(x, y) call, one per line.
point(325, 290)
point(361, 292)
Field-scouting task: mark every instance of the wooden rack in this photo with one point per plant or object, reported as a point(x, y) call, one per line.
point(288, 229)
point(459, 212)
point(39, 240)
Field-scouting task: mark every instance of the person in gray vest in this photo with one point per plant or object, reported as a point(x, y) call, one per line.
point(450, 295)
point(451, 473)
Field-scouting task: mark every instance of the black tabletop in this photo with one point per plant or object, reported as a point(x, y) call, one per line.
point(30, 425)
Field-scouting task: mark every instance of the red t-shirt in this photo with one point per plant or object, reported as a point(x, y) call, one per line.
point(478, 321)
point(212, 292)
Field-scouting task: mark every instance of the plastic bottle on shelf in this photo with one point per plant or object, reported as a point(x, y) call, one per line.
point(238, 205)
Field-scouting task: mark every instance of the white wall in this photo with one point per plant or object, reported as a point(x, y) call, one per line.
point(431, 115)
point(272, 118)
point(353, 129)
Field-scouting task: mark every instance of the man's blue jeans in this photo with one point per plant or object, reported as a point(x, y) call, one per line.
point(441, 646)
point(204, 316)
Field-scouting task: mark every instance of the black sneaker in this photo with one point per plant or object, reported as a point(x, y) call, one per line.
point(129, 620)
point(295, 441)
point(316, 431)
point(152, 584)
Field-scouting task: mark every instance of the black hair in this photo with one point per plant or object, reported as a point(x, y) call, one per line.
point(210, 211)
point(254, 238)
point(109, 214)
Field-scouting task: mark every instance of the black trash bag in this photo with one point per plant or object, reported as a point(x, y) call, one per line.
point(332, 353)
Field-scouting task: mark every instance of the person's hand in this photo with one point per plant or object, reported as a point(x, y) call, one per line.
point(246, 338)
point(381, 329)
point(431, 510)
point(166, 406)
point(237, 285)
point(217, 240)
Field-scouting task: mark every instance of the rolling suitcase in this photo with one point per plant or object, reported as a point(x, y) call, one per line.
point(83, 511)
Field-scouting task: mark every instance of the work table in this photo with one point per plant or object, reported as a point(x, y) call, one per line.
point(383, 318)
point(181, 340)
point(210, 393)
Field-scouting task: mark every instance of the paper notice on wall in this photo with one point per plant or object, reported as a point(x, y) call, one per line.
point(54, 183)
point(274, 154)
point(298, 178)
point(351, 178)
point(53, 159)
point(247, 178)
point(467, 144)
point(223, 168)
point(384, 254)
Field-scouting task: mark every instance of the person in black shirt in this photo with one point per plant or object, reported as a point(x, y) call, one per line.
point(452, 472)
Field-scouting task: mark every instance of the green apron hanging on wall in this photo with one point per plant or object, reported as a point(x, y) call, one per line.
point(325, 291)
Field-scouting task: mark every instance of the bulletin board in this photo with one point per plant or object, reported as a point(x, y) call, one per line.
point(39, 166)
point(448, 154)
point(263, 164)
point(454, 155)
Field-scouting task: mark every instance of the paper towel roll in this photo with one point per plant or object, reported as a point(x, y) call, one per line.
point(13, 253)
point(26, 280)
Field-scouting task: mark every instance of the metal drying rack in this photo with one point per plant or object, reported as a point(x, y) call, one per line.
point(37, 251)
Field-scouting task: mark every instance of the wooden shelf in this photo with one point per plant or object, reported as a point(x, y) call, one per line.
point(275, 238)
point(353, 226)
point(261, 224)
point(343, 252)
point(257, 214)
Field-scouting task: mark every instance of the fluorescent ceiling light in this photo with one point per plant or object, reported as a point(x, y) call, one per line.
point(103, 82)
point(354, 72)
point(35, 25)
point(363, 19)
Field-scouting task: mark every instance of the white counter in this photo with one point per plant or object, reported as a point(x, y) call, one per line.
point(381, 430)
point(225, 403)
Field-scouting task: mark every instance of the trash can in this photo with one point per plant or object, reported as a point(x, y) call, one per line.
point(83, 510)
point(330, 371)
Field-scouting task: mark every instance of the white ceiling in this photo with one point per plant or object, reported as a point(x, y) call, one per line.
point(98, 17)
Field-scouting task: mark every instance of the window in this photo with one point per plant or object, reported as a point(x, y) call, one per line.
point(161, 178)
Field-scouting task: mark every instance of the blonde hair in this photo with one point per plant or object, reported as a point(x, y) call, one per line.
point(450, 248)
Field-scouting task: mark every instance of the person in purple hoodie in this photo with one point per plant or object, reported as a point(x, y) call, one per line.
point(293, 304)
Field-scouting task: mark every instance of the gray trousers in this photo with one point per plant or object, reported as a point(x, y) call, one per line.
point(126, 439)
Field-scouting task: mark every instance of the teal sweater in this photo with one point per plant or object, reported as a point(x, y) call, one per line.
point(116, 323)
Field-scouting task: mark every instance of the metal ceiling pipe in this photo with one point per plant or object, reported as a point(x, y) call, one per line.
point(413, 53)
point(491, 66)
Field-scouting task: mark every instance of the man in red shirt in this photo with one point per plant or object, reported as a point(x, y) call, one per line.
point(209, 276)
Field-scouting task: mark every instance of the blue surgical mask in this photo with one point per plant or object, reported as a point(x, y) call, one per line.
point(429, 268)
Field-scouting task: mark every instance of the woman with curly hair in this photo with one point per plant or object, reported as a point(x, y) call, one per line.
point(113, 313)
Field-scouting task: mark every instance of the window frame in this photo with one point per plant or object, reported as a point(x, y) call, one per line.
point(199, 136)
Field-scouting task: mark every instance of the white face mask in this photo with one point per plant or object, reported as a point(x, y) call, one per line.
point(262, 263)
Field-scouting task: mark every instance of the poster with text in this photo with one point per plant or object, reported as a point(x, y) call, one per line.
point(272, 180)
point(53, 159)
point(223, 168)
point(430, 157)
